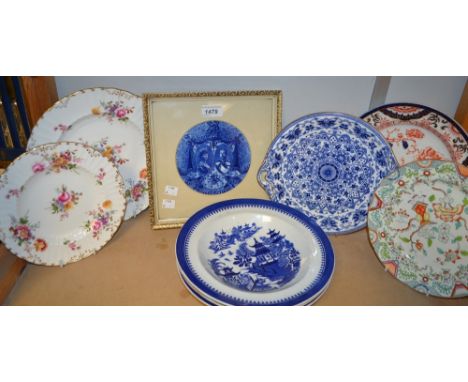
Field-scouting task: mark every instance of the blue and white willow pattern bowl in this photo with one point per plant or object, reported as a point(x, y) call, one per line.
point(254, 252)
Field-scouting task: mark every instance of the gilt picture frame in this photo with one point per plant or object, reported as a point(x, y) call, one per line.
point(206, 147)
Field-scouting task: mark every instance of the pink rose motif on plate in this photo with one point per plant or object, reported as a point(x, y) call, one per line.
point(66, 155)
point(116, 110)
point(97, 225)
point(72, 245)
point(100, 221)
point(100, 176)
point(120, 113)
point(64, 197)
point(136, 190)
point(22, 232)
point(38, 167)
point(65, 201)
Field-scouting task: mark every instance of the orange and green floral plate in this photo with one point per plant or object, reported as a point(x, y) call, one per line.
point(418, 226)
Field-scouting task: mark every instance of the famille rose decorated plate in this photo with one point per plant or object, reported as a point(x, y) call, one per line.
point(418, 132)
point(254, 252)
point(110, 121)
point(327, 165)
point(418, 226)
point(61, 202)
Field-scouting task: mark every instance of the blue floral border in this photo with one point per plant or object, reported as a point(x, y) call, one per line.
point(182, 253)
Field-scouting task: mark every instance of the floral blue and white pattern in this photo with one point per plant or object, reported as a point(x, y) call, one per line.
point(250, 259)
point(327, 165)
point(213, 157)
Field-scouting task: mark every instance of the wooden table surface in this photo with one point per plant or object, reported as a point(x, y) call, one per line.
point(138, 267)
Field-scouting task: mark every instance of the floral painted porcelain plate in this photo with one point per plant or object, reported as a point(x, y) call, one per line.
point(110, 121)
point(61, 202)
point(254, 252)
point(327, 165)
point(418, 132)
point(418, 226)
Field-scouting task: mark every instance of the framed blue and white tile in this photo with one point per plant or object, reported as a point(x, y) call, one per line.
point(203, 148)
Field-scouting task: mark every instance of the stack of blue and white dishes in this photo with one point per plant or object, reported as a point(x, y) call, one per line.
point(254, 252)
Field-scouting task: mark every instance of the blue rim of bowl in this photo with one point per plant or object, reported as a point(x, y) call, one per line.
point(195, 294)
point(359, 120)
point(204, 300)
point(191, 225)
point(387, 105)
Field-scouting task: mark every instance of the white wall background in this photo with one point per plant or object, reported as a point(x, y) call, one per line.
point(441, 93)
point(301, 95)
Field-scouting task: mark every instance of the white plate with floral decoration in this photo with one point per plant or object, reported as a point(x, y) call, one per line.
point(61, 202)
point(110, 121)
point(418, 132)
point(418, 226)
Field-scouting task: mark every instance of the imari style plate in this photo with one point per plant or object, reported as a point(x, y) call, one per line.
point(327, 165)
point(418, 226)
point(418, 132)
point(254, 252)
point(61, 202)
point(110, 121)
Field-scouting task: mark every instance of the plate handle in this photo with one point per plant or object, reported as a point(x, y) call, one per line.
point(262, 179)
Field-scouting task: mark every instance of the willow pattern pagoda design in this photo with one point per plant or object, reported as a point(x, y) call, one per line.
point(246, 260)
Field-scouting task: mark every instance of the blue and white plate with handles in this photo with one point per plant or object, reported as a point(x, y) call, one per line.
point(254, 252)
point(327, 165)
